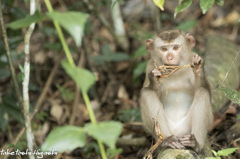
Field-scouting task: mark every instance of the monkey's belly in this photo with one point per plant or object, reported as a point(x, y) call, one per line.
point(176, 107)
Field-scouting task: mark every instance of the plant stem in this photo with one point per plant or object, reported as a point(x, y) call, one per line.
point(93, 120)
point(60, 35)
point(89, 108)
point(70, 60)
point(27, 120)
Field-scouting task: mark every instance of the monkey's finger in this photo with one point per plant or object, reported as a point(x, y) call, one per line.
point(172, 146)
point(178, 145)
point(156, 73)
point(186, 136)
point(192, 63)
point(186, 143)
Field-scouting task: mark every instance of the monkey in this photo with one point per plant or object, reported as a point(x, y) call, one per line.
point(182, 101)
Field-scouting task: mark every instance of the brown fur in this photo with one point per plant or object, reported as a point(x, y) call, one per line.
point(170, 35)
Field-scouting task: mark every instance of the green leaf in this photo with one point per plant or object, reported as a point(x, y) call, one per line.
point(65, 138)
point(49, 31)
point(83, 78)
point(238, 117)
point(53, 46)
point(183, 5)
point(107, 132)
point(226, 152)
point(4, 73)
point(186, 26)
point(220, 2)
point(159, 3)
point(108, 56)
point(66, 93)
point(130, 115)
point(113, 152)
point(72, 22)
point(25, 22)
point(11, 107)
point(206, 4)
point(233, 95)
point(3, 119)
point(214, 153)
point(140, 68)
point(210, 158)
point(140, 52)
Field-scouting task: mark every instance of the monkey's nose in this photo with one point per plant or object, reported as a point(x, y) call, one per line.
point(170, 58)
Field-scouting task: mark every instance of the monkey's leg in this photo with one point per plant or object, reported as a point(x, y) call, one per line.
point(151, 107)
point(200, 115)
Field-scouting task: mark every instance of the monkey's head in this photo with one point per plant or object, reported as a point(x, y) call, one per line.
point(172, 47)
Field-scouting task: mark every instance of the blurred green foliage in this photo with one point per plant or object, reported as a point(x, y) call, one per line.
point(132, 115)
point(109, 56)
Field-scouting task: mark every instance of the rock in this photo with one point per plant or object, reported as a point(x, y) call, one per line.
point(219, 56)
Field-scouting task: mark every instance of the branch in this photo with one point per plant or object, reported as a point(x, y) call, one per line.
point(29, 133)
point(10, 61)
point(118, 24)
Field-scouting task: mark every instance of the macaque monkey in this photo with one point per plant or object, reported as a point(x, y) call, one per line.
point(181, 101)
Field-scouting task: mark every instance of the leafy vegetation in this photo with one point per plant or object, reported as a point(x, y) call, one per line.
point(221, 153)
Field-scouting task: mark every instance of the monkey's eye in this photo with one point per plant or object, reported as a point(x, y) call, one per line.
point(164, 49)
point(175, 47)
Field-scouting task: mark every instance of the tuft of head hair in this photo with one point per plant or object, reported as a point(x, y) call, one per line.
point(170, 35)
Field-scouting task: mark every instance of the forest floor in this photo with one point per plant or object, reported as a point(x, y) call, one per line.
point(116, 93)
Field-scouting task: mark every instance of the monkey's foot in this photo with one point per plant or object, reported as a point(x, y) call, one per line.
point(173, 142)
point(188, 141)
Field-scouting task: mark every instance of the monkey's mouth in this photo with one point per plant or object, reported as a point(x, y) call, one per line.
point(171, 64)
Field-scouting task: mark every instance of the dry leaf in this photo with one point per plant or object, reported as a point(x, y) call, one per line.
point(122, 93)
point(56, 111)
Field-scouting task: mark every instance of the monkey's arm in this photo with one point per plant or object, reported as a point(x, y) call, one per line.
point(200, 78)
point(201, 108)
point(151, 105)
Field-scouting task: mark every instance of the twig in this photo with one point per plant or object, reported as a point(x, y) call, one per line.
point(47, 85)
point(10, 61)
point(227, 72)
point(26, 103)
point(160, 136)
point(39, 102)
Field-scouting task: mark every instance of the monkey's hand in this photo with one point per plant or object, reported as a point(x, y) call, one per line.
point(189, 141)
point(196, 64)
point(156, 72)
point(173, 142)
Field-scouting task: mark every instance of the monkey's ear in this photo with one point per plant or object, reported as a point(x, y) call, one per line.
point(149, 44)
point(191, 40)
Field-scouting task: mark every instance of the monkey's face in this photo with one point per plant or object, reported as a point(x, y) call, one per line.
point(169, 53)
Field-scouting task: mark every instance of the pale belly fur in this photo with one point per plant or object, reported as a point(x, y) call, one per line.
point(176, 106)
